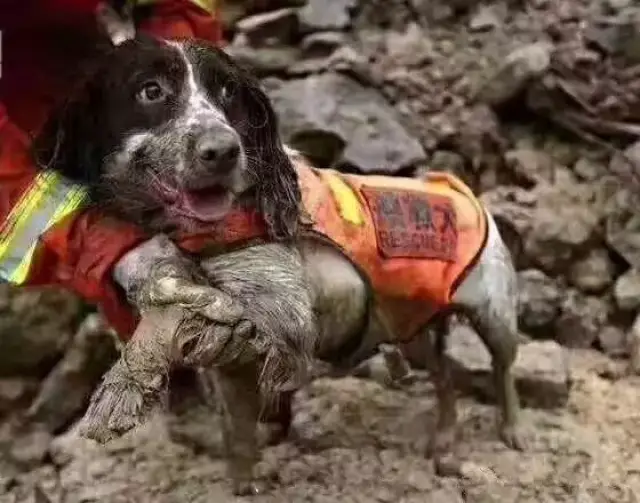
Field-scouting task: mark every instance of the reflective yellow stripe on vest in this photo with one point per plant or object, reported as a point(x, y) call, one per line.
point(48, 200)
point(207, 5)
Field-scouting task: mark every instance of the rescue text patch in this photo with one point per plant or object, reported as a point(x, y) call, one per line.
point(413, 224)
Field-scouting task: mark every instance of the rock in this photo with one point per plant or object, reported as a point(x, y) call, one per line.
point(263, 61)
point(321, 15)
point(593, 273)
point(613, 341)
point(617, 5)
point(413, 47)
point(543, 373)
point(530, 166)
point(562, 226)
point(488, 17)
point(541, 369)
point(35, 327)
point(323, 148)
point(581, 320)
point(375, 140)
point(15, 393)
point(617, 36)
point(539, 303)
point(589, 170)
point(626, 290)
point(271, 28)
point(511, 78)
point(633, 344)
point(450, 162)
point(66, 390)
point(322, 44)
point(622, 227)
point(626, 164)
point(512, 208)
point(232, 11)
point(563, 152)
point(29, 450)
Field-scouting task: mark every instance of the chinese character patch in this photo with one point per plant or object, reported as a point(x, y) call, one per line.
point(413, 224)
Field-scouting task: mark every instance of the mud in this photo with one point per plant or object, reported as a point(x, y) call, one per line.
point(446, 78)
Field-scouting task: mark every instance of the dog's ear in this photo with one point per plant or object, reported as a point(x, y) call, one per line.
point(68, 141)
point(277, 188)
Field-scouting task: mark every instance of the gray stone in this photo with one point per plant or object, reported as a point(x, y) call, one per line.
point(262, 61)
point(539, 303)
point(322, 44)
point(613, 341)
point(529, 166)
point(66, 390)
point(321, 15)
point(623, 236)
point(581, 319)
point(633, 344)
point(541, 369)
point(413, 47)
point(30, 449)
point(511, 78)
point(15, 393)
point(618, 4)
point(563, 225)
point(588, 169)
point(275, 27)
point(627, 163)
point(450, 162)
point(375, 140)
point(35, 328)
point(627, 290)
point(593, 273)
point(487, 17)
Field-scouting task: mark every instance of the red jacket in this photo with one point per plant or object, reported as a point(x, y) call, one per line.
point(46, 237)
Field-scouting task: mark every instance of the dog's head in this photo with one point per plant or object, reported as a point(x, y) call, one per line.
point(172, 134)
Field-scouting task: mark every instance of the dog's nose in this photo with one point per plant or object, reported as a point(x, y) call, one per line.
point(218, 150)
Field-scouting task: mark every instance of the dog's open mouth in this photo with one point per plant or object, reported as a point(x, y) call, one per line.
point(208, 204)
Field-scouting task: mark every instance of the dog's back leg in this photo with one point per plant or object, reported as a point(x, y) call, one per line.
point(433, 350)
point(488, 296)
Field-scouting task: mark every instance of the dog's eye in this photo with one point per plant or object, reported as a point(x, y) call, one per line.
point(151, 92)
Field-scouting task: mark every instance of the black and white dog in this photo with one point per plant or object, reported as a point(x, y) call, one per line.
point(173, 136)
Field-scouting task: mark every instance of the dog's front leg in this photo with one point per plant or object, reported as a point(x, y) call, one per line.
point(239, 395)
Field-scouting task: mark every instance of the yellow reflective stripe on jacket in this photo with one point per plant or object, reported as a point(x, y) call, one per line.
point(207, 5)
point(48, 200)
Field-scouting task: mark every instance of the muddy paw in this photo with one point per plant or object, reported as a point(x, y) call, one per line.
point(117, 407)
point(512, 437)
point(441, 443)
point(250, 487)
point(447, 465)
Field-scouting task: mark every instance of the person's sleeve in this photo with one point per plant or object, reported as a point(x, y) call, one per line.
point(172, 19)
point(49, 237)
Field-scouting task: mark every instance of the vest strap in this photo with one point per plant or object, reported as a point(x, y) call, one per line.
point(47, 201)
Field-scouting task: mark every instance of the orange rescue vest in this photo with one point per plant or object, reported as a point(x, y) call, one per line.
point(413, 239)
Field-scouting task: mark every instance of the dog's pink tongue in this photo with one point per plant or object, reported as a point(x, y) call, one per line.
point(207, 205)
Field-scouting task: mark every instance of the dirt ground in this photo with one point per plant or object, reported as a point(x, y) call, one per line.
point(356, 441)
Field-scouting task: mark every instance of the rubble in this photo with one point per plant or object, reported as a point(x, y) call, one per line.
point(535, 105)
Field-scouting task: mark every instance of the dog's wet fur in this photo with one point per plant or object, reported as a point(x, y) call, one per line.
point(170, 134)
